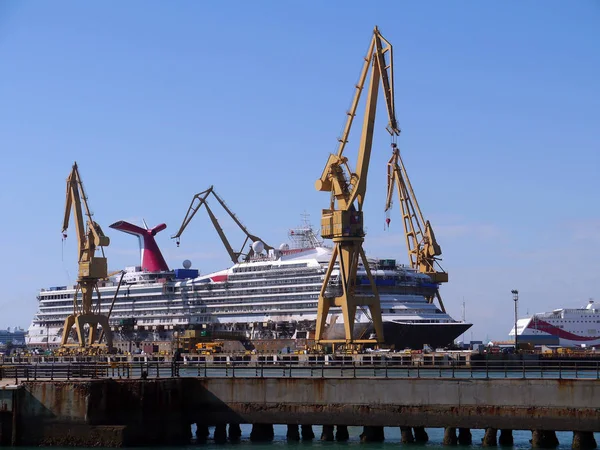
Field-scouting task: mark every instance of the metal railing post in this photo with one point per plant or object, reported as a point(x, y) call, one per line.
point(560, 370)
point(487, 369)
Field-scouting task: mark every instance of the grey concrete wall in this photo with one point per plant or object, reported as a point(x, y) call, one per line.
point(499, 403)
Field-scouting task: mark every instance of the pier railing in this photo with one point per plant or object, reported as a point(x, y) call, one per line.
point(580, 369)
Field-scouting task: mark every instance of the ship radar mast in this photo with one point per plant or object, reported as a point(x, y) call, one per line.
point(304, 236)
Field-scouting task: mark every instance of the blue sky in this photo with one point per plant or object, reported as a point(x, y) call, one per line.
point(498, 102)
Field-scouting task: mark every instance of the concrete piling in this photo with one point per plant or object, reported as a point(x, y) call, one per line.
point(307, 432)
point(202, 432)
point(421, 435)
point(262, 432)
point(450, 436)
point(407, 435)
point(464, 436)
point(372, 434)
point(235, 432)
point(506, 438)
point(293, 433)
point(327, 433)
point(5, 428)
point(583, 440)
point(490, 438)
point(341, 433)
point(543, 439)
point(220, 435)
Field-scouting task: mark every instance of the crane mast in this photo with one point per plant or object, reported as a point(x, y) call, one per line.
point(91, 269)
point(423, 248)
point(343, 221)
point(201, 199)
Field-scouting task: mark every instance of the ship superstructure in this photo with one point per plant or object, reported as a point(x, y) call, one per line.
point(274, 295)
point(569, 327)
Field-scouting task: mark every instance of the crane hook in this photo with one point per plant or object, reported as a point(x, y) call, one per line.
point(177, 242)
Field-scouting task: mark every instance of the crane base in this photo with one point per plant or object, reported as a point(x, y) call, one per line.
point(93, 320)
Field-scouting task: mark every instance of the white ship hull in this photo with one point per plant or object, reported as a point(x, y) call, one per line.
point(273, 296)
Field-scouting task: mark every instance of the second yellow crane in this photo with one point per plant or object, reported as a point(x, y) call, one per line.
point(423, 248)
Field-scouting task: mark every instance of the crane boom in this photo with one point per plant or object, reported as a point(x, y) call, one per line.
point(201, 199)
point(423, 248)
point(343, 221)
point(92, 268)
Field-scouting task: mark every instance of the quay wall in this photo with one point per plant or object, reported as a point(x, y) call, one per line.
point(113, 413)
point(499, 403)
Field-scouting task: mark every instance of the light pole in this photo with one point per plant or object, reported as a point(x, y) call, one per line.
point(515, 294)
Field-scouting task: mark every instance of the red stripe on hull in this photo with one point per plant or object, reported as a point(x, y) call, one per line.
point(537, 324)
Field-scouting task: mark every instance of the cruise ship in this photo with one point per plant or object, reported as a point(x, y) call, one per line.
point(566, 327)
point(272, 296)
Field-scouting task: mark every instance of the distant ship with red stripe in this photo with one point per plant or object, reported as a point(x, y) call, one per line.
point(567, 327)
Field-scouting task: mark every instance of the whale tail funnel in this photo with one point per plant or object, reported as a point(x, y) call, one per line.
point(152, 259)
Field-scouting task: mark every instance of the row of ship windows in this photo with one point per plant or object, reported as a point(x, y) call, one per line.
point(579, 321)
point(267, 267)
point(252, 285)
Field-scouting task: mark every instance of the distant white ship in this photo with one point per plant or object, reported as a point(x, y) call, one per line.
point(565, 327)
point(274, 295)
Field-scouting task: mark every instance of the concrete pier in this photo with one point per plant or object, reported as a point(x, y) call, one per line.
point(406, 434)
point(583, 440)
point(220, 435)
point(450, 436)
point(372, 434)
point(506, 438)
point(202, 432)
point(262, 432)
point(234, 432)
point(159, 411)
point(464, 436)
point(307, 432)
point(328, 433)
point(293, 433)
point(544, 439)
point(490, 438)
point(421, 436)
point(341, 433)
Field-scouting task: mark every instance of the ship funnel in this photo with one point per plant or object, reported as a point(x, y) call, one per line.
point(151, 257)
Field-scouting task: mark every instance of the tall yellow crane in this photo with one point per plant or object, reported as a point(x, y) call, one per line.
point(92, 268)
point(343, 221)
point(201, 199)
point(423, 248)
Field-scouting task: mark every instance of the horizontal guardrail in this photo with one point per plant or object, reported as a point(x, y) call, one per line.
point(244, 369)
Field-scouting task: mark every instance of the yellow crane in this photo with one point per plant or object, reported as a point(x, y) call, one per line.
point(343, 221)
point(423, 248)
point(201, 199)
point(92, 268)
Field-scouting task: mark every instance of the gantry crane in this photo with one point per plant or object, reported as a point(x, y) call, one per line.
point(423, 249)
point(343, 221)
point(201, 199)
point(92, 268)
